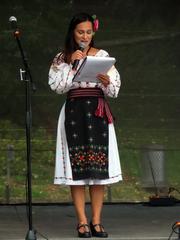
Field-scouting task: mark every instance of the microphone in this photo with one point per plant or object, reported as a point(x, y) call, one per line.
point(13, 21)
point(76, 62)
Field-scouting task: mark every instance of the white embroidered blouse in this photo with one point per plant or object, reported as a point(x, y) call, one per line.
point(61, 75)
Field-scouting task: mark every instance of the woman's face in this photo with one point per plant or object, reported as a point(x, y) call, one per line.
point(83, 33)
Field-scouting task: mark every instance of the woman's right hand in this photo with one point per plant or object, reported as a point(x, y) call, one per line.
point(77, 55)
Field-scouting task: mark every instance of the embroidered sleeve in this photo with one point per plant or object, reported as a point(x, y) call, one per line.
point(112, 89)
point(60, 75)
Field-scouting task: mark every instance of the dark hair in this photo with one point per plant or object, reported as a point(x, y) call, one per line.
point(70, 44)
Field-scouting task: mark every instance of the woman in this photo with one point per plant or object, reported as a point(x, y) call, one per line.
point(86, 150)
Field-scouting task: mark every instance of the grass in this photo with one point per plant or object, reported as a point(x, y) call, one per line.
point(131, 143)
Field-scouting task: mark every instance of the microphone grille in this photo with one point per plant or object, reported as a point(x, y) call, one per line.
point(82, 45)
point(13, 19)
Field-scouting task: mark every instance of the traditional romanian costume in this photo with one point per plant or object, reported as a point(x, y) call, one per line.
point(86, 147)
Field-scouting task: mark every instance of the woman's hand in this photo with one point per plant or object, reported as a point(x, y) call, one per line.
point(104, 78)
point(77, 55)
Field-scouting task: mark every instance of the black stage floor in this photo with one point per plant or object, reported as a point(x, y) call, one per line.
point(121, 221)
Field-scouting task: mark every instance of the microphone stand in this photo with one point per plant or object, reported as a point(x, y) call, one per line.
point(29, 85)
point(175, 229)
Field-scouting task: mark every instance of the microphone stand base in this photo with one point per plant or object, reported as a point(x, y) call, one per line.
point(31, 235)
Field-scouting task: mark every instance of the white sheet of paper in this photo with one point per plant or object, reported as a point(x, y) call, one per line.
point(92, 66)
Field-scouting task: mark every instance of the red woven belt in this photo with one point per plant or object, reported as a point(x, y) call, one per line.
point(103, 108)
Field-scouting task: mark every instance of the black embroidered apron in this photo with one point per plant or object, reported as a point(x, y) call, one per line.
point(86, 124)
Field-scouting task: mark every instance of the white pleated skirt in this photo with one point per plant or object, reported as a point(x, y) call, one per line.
point(63, 171)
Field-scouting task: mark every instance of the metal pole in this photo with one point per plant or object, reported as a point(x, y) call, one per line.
point(29, 85)
point(10, 157)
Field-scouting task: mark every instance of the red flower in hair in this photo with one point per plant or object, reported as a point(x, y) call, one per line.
point(95, 23)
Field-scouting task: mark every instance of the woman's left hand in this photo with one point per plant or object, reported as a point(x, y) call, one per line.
point(104, 78)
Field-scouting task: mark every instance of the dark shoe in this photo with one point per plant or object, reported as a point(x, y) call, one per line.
point(85, 234)
point(95, 233)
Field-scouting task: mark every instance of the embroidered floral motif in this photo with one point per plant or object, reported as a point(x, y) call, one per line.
point(89, 160)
